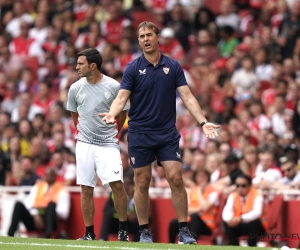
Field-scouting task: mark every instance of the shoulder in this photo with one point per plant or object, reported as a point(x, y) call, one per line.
point(170, 61)
point(76, 84)
point(39, 182)
point(110, 82)
point(233, 195)
point(256, 191)
point(136, 63)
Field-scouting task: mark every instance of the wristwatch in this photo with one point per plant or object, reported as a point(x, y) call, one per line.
point(202, 123)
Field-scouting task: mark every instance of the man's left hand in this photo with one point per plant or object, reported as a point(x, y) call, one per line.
point(210, 131)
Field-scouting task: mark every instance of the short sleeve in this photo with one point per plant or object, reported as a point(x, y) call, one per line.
point(128, 78)
point(127, 106)
point(71, 104)
point(180, 77)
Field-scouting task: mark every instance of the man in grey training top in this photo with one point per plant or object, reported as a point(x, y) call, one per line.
point(97, 148)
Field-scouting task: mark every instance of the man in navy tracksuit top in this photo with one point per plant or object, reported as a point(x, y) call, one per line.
point(151, 82)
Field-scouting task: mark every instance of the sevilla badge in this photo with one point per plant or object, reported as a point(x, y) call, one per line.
point(166, 70)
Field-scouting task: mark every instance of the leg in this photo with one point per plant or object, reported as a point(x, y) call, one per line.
point(109, 225)
point(108, 222)
point(120, 199)
point(198, 226)
point(179, 197)
point(141, 195)
point(50, 219)
point(87, 205)
point(133, 228)
point(173, 230)
point(86, 178)
point(232, 234)
point(21, 214)
point(254, 227)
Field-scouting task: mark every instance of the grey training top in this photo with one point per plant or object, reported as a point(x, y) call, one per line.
point(88, 100)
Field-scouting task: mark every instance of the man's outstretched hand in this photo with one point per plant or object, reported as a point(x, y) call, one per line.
point(210, 130)
point(107, 118)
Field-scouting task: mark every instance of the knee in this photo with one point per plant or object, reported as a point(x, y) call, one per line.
point(117, 187)
point(194, 216)
point(173, 224)
point(51, 205)
point(256, 222)
point(19, 205)
point(176, 180)
point(143, 181)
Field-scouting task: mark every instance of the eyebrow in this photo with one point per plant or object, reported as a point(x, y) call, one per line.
point(150, 33)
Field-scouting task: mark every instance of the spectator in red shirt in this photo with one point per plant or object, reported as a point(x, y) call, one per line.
point(170, 46)
point(112, 29)
point(24, 46)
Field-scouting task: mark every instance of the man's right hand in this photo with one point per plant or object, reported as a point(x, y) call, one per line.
point(38, 222)
point(107, 118)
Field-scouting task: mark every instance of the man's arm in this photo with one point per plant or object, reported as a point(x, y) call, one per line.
point(191, 103)
point(63, 204)
point(193, 106)
point(116, 107)
point(74, 118)
point(206, 204)
point(227, 213)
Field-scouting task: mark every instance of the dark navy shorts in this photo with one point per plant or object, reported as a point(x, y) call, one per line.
point(143, 149)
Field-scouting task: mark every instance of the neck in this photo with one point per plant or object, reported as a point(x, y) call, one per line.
point(153, 57)
point(94, 78)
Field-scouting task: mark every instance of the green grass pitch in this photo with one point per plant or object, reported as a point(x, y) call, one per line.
point(14, 243)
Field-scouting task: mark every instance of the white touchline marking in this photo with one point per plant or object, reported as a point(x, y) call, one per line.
point(78, 246)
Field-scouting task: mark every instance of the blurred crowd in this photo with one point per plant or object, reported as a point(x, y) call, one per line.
point(241, 61)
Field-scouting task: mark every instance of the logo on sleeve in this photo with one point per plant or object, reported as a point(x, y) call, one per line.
point(107, 95)
point(166, 70)
point(142, 72)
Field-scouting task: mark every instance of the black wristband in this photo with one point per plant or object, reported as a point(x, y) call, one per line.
point(202, 123)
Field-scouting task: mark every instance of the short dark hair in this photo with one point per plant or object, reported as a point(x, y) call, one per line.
point(92, 56)
point(148, 25)
point(244, 176)
point(284, 160)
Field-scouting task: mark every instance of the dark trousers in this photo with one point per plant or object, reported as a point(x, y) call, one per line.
point(111, 225)
point(21, 214)
point(196, 225)
point(251, 228)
